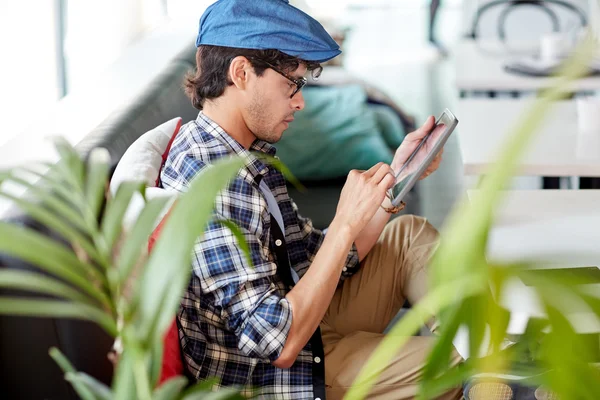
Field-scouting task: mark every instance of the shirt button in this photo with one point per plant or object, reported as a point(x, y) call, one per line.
point(345, 269)
point(317, 360)
point(278, 242)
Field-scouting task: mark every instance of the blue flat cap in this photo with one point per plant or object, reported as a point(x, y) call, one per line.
point(266, 24)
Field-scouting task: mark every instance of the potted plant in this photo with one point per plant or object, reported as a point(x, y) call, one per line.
point(463, 283)
point(91, 277)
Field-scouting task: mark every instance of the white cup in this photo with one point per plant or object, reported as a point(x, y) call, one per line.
point(588, 114)
point(553, 46)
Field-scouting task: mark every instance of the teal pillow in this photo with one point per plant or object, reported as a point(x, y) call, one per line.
point(389, 124)
point(336, 131)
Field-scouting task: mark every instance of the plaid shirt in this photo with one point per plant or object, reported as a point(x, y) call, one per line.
point(234, 319)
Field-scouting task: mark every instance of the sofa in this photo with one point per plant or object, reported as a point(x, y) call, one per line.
point(26, 370)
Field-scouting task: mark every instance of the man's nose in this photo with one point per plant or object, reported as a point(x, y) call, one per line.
point(298, 101)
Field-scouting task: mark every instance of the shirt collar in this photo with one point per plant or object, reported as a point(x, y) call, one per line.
point(252, 163)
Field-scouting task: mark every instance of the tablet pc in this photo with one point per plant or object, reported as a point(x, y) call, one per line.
point(418, 161)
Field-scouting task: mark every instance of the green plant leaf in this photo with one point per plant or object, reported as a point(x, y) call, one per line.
point(440, 354)
point(171, 389)
point(571, 375)
point(46, 198)
point(204, 390)
point(449, 379)
point(48, 179)
point(467, 228)
point(462, 250)
point(532, 338)
point(592, 300)
point(96, 179)
point(138, 237)
point(574, 290)
point(112, 223)
point(55, 188)
point(241, 240)
point(124, 382)
point(51, 256)
point(497, 316)
point(156, 359)
point(61, 360)
point(281, 167)
point(99, 389)
point(438, 298)
point(568, 354)
point(70, 164)
point(202, 386)
point(35, 282)
point(67, 368)
point(58, 225)
point(476, 321)
point(140, 372)
point(229, 393)
point(57, 309)
point(168, 269)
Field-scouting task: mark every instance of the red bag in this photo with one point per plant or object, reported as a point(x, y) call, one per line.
point(172, 363)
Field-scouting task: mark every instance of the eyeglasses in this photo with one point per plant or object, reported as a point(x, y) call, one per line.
point(299, 82)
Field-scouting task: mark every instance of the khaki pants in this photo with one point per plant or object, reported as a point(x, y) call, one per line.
point(394, 270)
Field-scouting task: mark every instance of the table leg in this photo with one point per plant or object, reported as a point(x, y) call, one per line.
point(589, 183)
point(551, 182)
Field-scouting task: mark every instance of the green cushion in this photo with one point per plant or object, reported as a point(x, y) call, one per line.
point(390, 125)
point(337, 131)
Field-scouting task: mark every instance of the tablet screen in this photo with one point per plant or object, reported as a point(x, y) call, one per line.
point(417, 162)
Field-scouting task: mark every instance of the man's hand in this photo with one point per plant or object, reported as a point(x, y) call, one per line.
point(410, 143)
point(360, 199)
point(362, 195)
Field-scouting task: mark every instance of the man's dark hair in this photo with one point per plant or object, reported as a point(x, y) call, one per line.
point(210, 79)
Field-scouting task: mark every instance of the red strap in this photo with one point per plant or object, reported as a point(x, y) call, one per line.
point(172, 364)
point(166, 153)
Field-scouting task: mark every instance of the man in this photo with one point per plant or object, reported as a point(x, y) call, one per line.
point(285, 326)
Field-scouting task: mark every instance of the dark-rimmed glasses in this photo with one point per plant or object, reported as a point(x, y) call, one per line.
point(299, 82)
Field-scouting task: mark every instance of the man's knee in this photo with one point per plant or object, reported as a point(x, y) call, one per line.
point(414, 240)
point(413, 229)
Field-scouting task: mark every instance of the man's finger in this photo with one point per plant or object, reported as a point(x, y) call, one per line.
point(388, 181)
point(371, 171)
point(436, 162)
point(425, 174)
point(382, 172)
point(423, 130)
point(432, 167)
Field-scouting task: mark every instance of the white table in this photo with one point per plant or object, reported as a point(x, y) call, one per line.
point(561, 226)
point(480, 68)
point(557, 150)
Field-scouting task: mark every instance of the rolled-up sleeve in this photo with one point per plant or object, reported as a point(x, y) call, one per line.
point(313, 239)
point(246, 299)
point(352, 263)
point(263, 331)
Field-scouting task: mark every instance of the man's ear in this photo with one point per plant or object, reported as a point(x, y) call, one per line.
point(239, 72)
